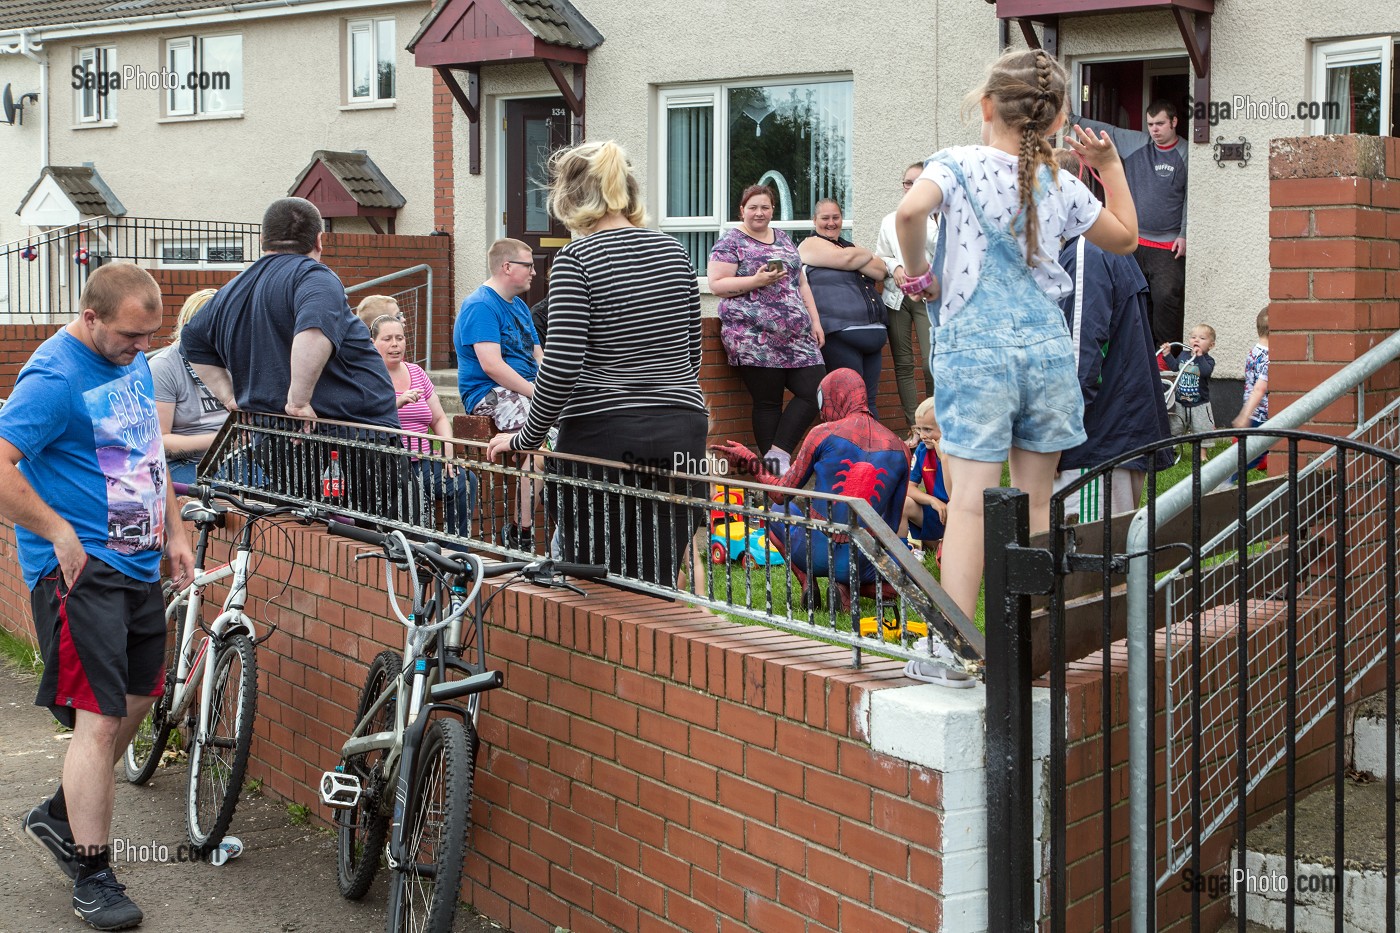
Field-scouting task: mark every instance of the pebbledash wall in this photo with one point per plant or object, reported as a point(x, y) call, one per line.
point(647, 766)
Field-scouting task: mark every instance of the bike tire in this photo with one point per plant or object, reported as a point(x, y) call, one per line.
point(435, 831)
point(217, 764)
point(144, 750)
point(361, 831)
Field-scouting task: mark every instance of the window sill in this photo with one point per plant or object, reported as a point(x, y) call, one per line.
point(388, 104)
point(95, 125)
point(200, 117)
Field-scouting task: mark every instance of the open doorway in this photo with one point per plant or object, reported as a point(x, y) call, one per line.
point(1118, 92)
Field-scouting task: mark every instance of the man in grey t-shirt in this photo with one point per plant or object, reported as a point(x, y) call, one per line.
point(1155, 164)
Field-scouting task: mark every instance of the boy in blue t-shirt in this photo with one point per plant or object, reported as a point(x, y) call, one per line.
point(926, 501)
point(1192, 413)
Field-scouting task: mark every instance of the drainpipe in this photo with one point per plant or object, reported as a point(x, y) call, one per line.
point(33, 51)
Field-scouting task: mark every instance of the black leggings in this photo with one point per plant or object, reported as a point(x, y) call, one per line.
point(860, 349)
point(773, 425)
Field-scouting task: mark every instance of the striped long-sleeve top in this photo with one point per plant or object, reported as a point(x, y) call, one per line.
point(624, 330)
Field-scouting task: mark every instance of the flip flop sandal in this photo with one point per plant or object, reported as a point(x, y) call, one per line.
point(936, 672)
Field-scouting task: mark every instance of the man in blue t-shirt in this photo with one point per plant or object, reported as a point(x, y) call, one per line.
point(83, 478)
point(498, 358)
point(281, 338)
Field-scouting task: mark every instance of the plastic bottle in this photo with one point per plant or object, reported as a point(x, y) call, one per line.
point(332, 480)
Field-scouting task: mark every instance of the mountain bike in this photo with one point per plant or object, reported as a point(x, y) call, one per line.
point(211, 674)
point(403, 787)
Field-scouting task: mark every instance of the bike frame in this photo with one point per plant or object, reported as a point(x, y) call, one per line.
point(194, 670)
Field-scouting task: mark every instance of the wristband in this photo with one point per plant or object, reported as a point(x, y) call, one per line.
point(916, 285)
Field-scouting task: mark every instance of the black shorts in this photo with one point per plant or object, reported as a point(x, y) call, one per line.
point(101, 640)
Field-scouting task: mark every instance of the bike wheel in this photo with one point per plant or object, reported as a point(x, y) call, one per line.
point(148, 744)
point(425, 890)
point(218, 763)
point(360, 832)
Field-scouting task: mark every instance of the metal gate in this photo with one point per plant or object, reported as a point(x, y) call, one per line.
point(1204, 660)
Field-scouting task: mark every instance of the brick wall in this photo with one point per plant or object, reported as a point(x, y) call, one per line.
point(647, 767)
point(444, 191)
point(359, 257)
point(1335, 286)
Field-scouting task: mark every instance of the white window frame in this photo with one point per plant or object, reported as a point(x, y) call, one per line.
point(194, 47)
point(203, 262)
point(371, 28)
point(1363, 51)
point(98, 60)
point(716, 96)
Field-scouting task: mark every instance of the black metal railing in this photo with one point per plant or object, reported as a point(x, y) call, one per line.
point(41, 276)
point(1266, 613)
point(824, 566)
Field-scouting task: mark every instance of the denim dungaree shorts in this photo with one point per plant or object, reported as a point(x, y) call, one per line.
point(1003, 368)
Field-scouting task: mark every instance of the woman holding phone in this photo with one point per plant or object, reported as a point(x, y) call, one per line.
point(769, 325)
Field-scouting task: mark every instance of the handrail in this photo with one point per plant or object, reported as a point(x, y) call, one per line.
point(1168, 505)
point(402, 273)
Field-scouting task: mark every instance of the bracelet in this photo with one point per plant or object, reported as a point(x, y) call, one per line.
point(917, 285)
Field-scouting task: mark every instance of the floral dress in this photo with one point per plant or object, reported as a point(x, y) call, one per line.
point(768, 326)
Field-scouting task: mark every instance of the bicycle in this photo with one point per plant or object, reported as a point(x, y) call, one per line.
point(400, 752)
point(219, 669)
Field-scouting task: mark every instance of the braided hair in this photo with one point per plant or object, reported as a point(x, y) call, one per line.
point(1028, 90)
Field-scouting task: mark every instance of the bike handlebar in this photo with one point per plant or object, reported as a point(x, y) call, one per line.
point(543, 572)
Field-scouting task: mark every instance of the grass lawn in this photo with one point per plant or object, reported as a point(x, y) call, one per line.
point(757, 589)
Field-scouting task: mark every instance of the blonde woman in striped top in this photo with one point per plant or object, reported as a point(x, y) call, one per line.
point(622, 373)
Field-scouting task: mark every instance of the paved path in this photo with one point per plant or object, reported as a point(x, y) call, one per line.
point(285, 880)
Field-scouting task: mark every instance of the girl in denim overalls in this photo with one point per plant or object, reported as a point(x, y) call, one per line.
point(1003, 364)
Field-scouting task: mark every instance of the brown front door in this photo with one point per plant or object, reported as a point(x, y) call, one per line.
point(534, 130)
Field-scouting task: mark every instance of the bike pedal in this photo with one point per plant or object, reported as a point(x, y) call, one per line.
point(341, 791)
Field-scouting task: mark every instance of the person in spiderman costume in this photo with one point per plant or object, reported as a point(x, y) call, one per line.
point(849, 453)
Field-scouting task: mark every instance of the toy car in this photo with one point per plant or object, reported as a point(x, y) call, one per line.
point(916, 628)
point(744, 543)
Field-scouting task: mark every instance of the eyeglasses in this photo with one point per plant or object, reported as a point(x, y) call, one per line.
point(908, 183)
point(517, 262)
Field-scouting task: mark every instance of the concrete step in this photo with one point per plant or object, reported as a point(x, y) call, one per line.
point(445, 381)
point(1368, 737)
point(1268, 877)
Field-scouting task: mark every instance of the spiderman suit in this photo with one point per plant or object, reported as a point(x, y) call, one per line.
point(849, 453)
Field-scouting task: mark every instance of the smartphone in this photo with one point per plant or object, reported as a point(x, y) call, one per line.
point(774, 265)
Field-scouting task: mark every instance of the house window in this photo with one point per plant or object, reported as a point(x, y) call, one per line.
point(370, 49)
point(207, 74)
point(1355, 80)
point(94, 82)
point(718, 140)
point(202, 254)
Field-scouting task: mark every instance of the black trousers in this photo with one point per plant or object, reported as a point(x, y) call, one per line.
point(774, 425)
point(1166, 282)
point(633, 535)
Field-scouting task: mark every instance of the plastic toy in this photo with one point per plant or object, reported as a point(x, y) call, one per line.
point(81, 256)
point(29, 253)
point(917, 628)
point(731, 539)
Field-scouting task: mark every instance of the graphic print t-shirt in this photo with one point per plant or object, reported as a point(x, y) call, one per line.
point(91, 443)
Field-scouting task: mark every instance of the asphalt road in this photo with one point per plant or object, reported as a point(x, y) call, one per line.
point(284, 881)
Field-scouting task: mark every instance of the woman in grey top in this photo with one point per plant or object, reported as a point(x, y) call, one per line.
point(189, 413)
